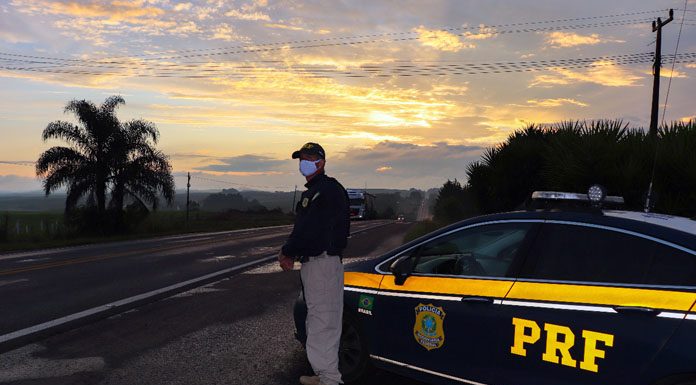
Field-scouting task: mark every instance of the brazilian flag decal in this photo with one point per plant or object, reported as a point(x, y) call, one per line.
point(366, 302)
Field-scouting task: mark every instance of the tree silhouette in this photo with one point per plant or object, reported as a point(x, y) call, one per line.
point(105, 155)
point(573, 155)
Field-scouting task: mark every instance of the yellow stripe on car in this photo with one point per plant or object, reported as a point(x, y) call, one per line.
point(367, 280)
point(603, 295)
point(452, 286)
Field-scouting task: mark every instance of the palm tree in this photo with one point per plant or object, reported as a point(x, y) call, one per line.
point(104, 155)
point(140, 171)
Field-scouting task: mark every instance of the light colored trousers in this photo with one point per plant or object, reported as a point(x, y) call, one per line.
point(322, 279)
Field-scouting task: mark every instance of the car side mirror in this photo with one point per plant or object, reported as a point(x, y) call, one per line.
point(401, 268)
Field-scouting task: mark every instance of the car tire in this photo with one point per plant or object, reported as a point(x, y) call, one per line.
point(353, 355)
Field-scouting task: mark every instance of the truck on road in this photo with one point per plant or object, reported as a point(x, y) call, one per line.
point(362, 204)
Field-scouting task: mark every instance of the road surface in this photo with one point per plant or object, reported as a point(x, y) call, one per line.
point(234, 331)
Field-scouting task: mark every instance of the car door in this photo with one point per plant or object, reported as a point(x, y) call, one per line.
point(581, 311)
point(444, 319)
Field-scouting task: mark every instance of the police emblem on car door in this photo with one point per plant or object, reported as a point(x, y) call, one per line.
point(429, 328)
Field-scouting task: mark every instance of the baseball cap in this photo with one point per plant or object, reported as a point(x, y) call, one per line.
point(310, 149)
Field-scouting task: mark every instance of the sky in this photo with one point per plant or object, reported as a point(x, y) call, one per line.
point(401, 94)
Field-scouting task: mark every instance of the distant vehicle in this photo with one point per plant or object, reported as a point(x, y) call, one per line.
point(562, 293)
point(362, 204)
point(400, 218)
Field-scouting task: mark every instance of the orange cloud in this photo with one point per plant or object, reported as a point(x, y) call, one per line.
point(116, 11)
point(558, 102)
point(441, 40)
point(227, 33)
point(253, 16)
point(603, 73)
point(560, 39)
point(383, 169)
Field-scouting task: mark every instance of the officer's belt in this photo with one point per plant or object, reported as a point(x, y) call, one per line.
point(305, 259)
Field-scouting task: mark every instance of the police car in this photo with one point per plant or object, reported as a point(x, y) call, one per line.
point(579, 295)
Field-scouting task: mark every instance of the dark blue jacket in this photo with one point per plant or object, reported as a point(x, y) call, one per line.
point(322, 221)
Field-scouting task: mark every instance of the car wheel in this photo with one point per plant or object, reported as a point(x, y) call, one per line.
point(353, 355)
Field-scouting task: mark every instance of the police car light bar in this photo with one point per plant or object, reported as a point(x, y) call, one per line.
point(560, 196)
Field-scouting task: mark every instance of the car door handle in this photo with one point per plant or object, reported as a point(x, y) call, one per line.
point(477, 300)
point(636, 310)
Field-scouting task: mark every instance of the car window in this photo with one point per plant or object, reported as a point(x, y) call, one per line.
point(672, 267)
point(581, 253)
point(486, 250)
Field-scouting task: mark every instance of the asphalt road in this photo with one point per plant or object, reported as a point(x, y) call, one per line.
point(235, 331)
point(36, 287)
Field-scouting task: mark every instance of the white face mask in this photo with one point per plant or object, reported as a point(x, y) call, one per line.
point(307, 167)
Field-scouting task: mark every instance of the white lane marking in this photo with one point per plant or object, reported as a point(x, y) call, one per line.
point(409, 366)
point(199, 290)
point(33, 260)
point(12, 282)
point(124, 302)
point(140, 297)
point(218, 258)
point(189, 240)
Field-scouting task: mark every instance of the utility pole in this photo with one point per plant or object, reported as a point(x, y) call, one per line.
point(188, 202)
point(657, 27)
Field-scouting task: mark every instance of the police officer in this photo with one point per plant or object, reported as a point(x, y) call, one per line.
point(321, 229)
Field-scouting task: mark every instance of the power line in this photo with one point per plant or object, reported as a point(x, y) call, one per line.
point(676, 49)
point(165, 55)
point(384, 71)
point(314, 68)
point(271, 47)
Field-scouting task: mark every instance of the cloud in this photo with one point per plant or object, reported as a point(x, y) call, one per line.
point(284, 26)
point(558, 102)
point(252, 16)
point(402, 162)
point(559, 39)
point(482, 34)
point(227, 33)
point(441, 40)
point(690, 65)
point(183, 7)
point(246, 164)
point(116, 11)
point(603, 73)
point(667, 72)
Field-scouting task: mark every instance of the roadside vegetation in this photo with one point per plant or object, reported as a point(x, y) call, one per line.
point(571, 156)
point(112, 172)
point(30, 230)
point(115, 180)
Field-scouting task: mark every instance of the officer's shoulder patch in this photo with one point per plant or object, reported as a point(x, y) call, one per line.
point(305, 202)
